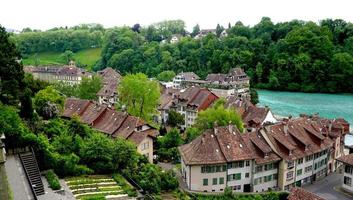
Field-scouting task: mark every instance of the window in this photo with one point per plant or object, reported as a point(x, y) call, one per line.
point(268, 178)
point(247, 163)
point(221, 180)
point(275, 176)
point(289, 175)
point(300, 161)
point(290, 164)
point(238, 164)
point(348, 169)
point(299, 172)
point(237, 187)
point(268, 167)
point(308, 158)
point(205, 181)
point(233, 177)
point(347, 181)
point(308, 168)
point(247, 175)
point(258, 168)
point(213, 169)
point(214, 181)
point(256, 181)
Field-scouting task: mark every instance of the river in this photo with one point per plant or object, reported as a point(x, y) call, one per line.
point(294, 103)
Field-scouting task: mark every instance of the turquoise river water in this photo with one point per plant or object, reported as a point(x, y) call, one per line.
point(295, 103)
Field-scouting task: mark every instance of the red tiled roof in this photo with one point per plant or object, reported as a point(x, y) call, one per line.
point(197, 98)
point(108, 90)
point(347, 159)
point(298, 193)
point(109, 121)
point(255, 114)
point(92, 112)
point(75, 106)
point(226, 144)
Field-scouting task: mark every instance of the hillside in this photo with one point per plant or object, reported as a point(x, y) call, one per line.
point(87, 57)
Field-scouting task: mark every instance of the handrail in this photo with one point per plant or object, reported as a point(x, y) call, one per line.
point(29, 180)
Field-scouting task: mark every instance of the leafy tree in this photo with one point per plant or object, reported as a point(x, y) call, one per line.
point(206, 119)
point(11, 72)
point(195, 30)
point(48, 102)
point(168, 145)
point(254, 96)
point(26, 105)
point(219, 30)
point(140, 95)
point(67, 89)
point(150, 179)
point(192, 133)
point(89, 87)
point(175, 118)
point(166, 76)
point(136, 28)
point(67, 56)
point(34, 84)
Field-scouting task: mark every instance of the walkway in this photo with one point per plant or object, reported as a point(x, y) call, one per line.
point(17, 179)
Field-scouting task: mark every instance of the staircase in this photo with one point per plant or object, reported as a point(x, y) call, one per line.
point(30, 166)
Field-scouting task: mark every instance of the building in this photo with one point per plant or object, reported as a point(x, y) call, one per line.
point(166, 101)
point(175, 38)
point(205, 32)
point(191, 101)
point(184, 76)
point(347, 177)
point(303, 148)
point(253, 116)
point(223, 157)
point(278, 156)
point(108, 94)
point(224, 33)
point(298, 193)
point(113, 123)
point(68, 73)
point(235, 83)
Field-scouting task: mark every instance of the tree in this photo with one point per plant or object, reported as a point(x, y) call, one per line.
point(89, 87)
point(168, 144)
point(254, 96)
point(220, 116)
point(175, 118)
point(219, 30)
point(136, 28)
point(48, 102)
point(11, 72)
point(195, 30)
point(26, 105)
point(166, 76)
point(67, 56)
point(140, 95)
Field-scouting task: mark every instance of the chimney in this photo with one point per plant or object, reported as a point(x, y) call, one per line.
point(285, 126)
point(230, 127)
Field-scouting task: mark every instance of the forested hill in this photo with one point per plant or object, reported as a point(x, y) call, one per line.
point(295, 55)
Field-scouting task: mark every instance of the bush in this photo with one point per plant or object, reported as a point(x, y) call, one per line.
point(53, 180)
point(127, 188)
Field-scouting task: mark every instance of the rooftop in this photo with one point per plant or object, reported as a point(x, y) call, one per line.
point(298, 193)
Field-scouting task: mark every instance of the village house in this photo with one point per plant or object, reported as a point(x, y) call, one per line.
point(205, 32)
point(68, 73)
point(175, 38)
point(279, 156)
point(168, 95)
point(253, 116)
point(191, 101)
point(224, 157)
point(184, 76)
point(235, 83)
point(113, 123)
point(108, 94)
point(347, 177)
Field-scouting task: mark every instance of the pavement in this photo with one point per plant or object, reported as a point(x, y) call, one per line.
point(54, 195)
point(328, 188)
point(17, 179)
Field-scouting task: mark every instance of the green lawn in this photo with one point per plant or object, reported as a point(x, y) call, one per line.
point(88, 57)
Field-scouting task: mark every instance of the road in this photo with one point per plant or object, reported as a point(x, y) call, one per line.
point(325, 188)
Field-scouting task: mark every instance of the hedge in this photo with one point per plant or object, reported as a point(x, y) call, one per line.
point(53, 180)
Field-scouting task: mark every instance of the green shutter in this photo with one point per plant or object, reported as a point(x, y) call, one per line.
point(205, 181)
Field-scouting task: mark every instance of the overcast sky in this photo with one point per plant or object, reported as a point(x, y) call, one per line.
point(45, 14)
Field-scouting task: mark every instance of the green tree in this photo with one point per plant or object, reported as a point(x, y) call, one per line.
point(48, 102)
point(254, 96)
point(140, 95)
point(67, 56)
point(168, 145)
point(166, 76)
point(218, 115)
point(195, 30)
point(11, 72)
point(175, 118)
point(26, 104)
point(89, 87)
point(219, 30)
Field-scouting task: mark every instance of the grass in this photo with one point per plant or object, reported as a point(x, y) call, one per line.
point(87, 57)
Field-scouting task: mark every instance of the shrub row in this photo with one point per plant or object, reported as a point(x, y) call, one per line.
point(53, 180)
point(127, 188)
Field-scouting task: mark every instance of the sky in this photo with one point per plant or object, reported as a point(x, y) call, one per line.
point(46, 14)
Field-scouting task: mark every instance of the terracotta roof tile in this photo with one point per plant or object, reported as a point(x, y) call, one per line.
point(347, 159)
point(298, 193)
point(75, 106)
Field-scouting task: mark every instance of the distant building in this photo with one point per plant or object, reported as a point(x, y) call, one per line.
point(224, 33)
point(301, 194)
point(191, 101)
point(166, 101)
point(205, 32)
point(108, 94)
point(184, 76)
point(113, 123)
point(175, 38)
point(68, 73)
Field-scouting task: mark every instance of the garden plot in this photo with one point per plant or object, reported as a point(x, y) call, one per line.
point(94, 187)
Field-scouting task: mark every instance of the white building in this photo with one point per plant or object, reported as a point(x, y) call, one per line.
point(347, 177)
